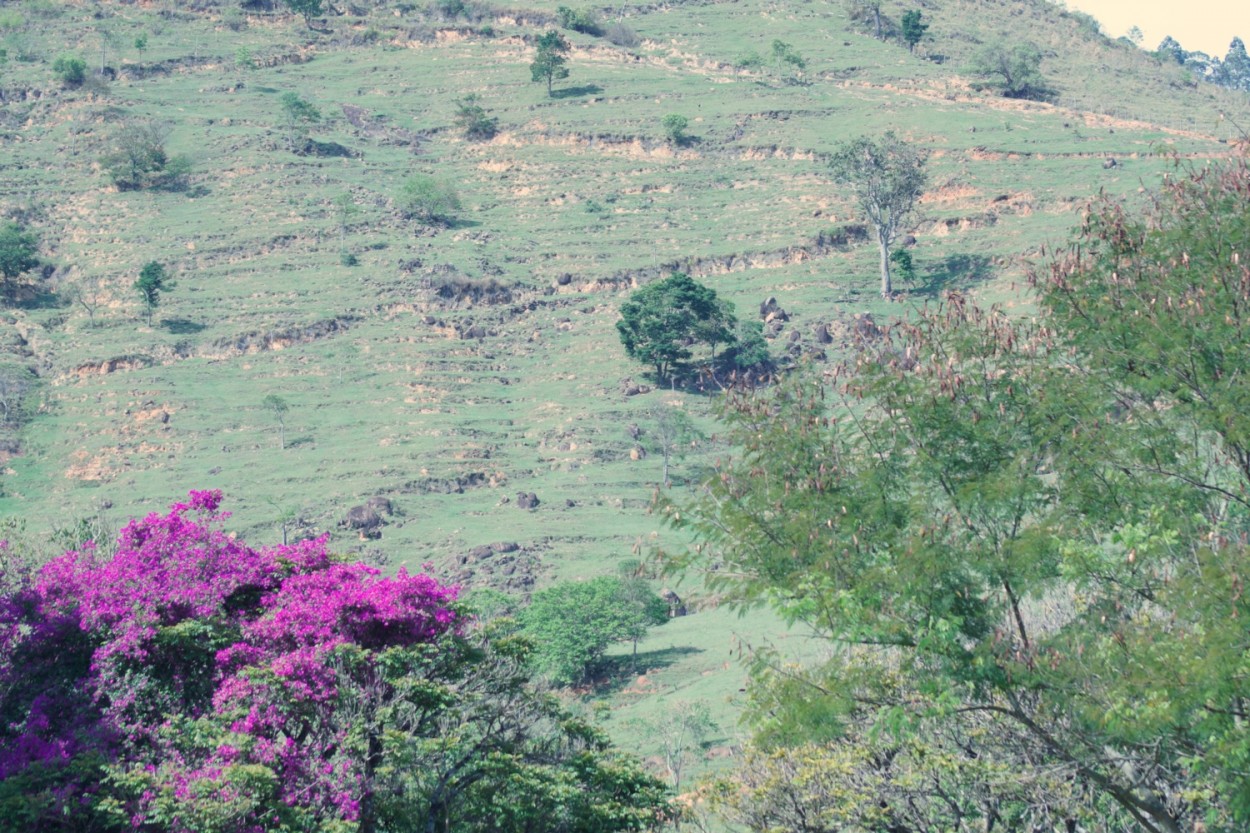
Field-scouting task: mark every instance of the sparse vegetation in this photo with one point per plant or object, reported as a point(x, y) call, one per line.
point(429, 200)
point(472, 118)
point(621, 35)
point(70, 70)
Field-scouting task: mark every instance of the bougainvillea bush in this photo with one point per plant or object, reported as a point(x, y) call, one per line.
point(190, 682)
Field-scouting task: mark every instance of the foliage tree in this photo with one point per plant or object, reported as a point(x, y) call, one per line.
point(308, 9)
point(584, 21)
point(669, 433)
point(886, 177)
point(680, 732)
point(298, 116)
point(137, 157)
point(70, 70)
point(153, 280)
point(912, 29)
point(1234, 70)
point(550, 59)
point(786, 56)
point(15, 383)
point(572, 625)
point(189, 682)
point(861, 9)
point(279, 407)
point(141, 45)
point(1023, 539)
point(89, 292)
point(344, 209)
point(675, 128)
point(429, 200)
point(1015, 71)
point(663, 319)
point(472, 118)
point(18, 254)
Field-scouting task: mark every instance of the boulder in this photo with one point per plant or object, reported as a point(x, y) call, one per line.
point(527, 500)
point(364, 520)
point(676, 607)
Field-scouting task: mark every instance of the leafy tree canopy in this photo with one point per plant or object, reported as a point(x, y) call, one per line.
point(1024, 541)
point(189, 682)
point(550, 59)
point(18, 248)
point(886, 177)
point(574, 623)
point(663, 319)
point(913, 29)
point(1015, 71)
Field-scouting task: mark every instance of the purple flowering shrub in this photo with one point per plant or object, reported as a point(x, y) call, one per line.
point(191, 682)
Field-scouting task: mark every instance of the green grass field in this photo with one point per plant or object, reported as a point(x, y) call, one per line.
point(449, 405)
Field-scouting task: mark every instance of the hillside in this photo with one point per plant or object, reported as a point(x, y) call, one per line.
point(452, 368)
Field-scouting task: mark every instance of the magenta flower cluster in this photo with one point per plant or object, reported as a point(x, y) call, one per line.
point(189, 662)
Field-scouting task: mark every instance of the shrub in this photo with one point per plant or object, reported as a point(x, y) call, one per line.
point(621, 35)
point(472, 118)
point(71, 70)
point(749, 60)
point(138, 158)
point(429, 200)
point(584, 21)
point(675, 128)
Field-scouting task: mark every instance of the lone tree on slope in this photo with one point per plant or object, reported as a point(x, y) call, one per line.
point(886, 177)
point(549, 62)
point(153, 280)
point(913, 29)
point(18, 248)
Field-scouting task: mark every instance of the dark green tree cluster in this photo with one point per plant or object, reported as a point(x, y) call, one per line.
point(1014, 71)
point(664, 320)
point(1025, 542)
point(153, 280)
point(912, 29)
point(573, 624)
point(18, 255)
point(137, 158)
point(584, 21)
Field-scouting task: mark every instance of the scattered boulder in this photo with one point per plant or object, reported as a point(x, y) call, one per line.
point(364, 520)
point(565, 279)
point(630, 388)
point(909, 240)
point(770, 311)
point(822, 335)
point(527, 500)
point(380, 505)
point(676, 607)
point(1110, 163)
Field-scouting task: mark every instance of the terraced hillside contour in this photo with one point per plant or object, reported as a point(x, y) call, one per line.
point(445, 370)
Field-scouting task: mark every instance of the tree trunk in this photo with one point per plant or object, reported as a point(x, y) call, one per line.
point(876, 16)
point(549, 80)
point(886, 288)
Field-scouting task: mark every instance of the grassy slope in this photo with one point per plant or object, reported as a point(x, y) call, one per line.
point(384, 402)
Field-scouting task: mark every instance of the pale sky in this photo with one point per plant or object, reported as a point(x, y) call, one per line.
point(1199, 25)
